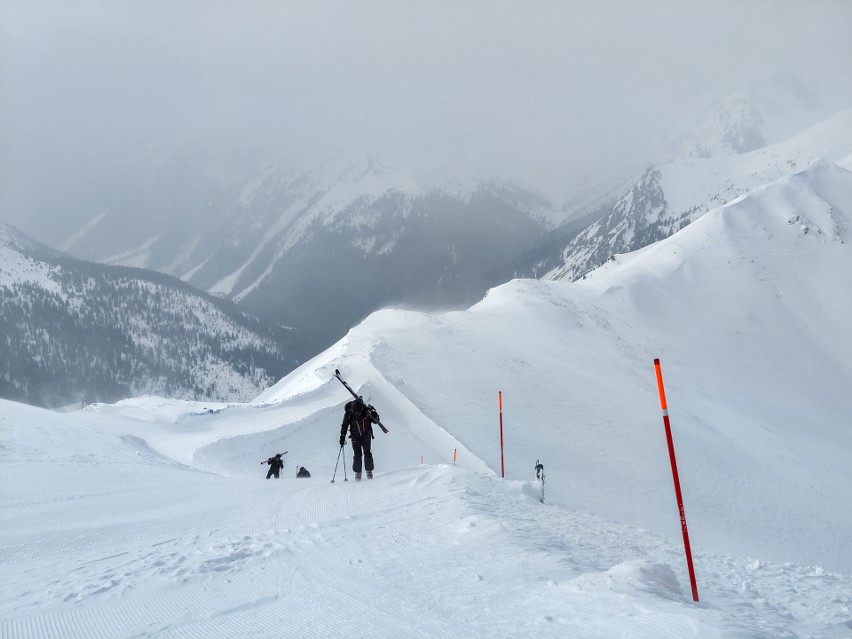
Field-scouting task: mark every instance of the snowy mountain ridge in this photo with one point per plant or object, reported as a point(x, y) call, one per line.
point(291, 200)
point(20, 263)
point(353, 199)
point(669, 197)
point(74, 331)
point(320, 260)
point(747, 117)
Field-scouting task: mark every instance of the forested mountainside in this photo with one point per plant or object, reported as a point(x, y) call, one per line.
point(74, 331)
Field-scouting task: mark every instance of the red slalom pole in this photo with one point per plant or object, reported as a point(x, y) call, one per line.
point(502, 465)
point(678, 494)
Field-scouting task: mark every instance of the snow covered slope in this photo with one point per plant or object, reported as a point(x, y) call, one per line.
point(104, 537)
point(670, 196)
point(151, 518)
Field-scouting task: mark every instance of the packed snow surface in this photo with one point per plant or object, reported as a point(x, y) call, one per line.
point(703, 181)
point(152, 517)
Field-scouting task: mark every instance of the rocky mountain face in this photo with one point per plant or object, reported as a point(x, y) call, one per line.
point(73, 331)
point(318, 249)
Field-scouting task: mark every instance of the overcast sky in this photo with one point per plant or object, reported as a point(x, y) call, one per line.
point(540, 89)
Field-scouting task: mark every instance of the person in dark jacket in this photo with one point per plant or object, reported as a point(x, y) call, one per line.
point(275, 466)
point(358, 419)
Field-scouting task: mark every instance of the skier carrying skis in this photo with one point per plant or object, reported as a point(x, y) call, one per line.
point(275, 465)
point(358, 419)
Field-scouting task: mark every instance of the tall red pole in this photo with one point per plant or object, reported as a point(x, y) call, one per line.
point(678, 494)
point(502, 465)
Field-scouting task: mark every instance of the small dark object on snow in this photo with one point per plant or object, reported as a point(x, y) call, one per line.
point(539, 475)
point(302, 472)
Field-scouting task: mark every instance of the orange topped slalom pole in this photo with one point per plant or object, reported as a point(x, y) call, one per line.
point(678, 494)
point(502, 465)
point(661, 388)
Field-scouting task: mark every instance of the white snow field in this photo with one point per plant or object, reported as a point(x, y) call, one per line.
point(152, 517)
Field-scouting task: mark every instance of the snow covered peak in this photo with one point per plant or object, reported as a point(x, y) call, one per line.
point(732, 125)
point(671, 196)
point(13, 239)
point(688, 182)
point(18, 262)
point(333, 184)
point(748, 117)
point(771, 223)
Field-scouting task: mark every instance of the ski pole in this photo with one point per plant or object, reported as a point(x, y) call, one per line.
point(336, 464)
point(344, 465)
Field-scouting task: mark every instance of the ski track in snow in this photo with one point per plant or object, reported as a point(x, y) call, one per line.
point(429, 551)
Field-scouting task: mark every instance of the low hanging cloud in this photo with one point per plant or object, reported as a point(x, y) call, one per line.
point(544, 91)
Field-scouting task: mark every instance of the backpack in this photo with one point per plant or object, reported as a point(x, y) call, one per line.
point(355, 407)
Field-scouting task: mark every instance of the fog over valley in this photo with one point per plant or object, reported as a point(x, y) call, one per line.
point(155, 113)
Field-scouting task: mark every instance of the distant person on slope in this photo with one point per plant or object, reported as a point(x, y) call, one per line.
point(275, 466)
point(358, 419)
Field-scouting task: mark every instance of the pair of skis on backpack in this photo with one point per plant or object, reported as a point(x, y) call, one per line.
point(356, 396)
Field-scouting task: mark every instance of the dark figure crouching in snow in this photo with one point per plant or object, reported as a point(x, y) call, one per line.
point(275, 466)
point(358, 419)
